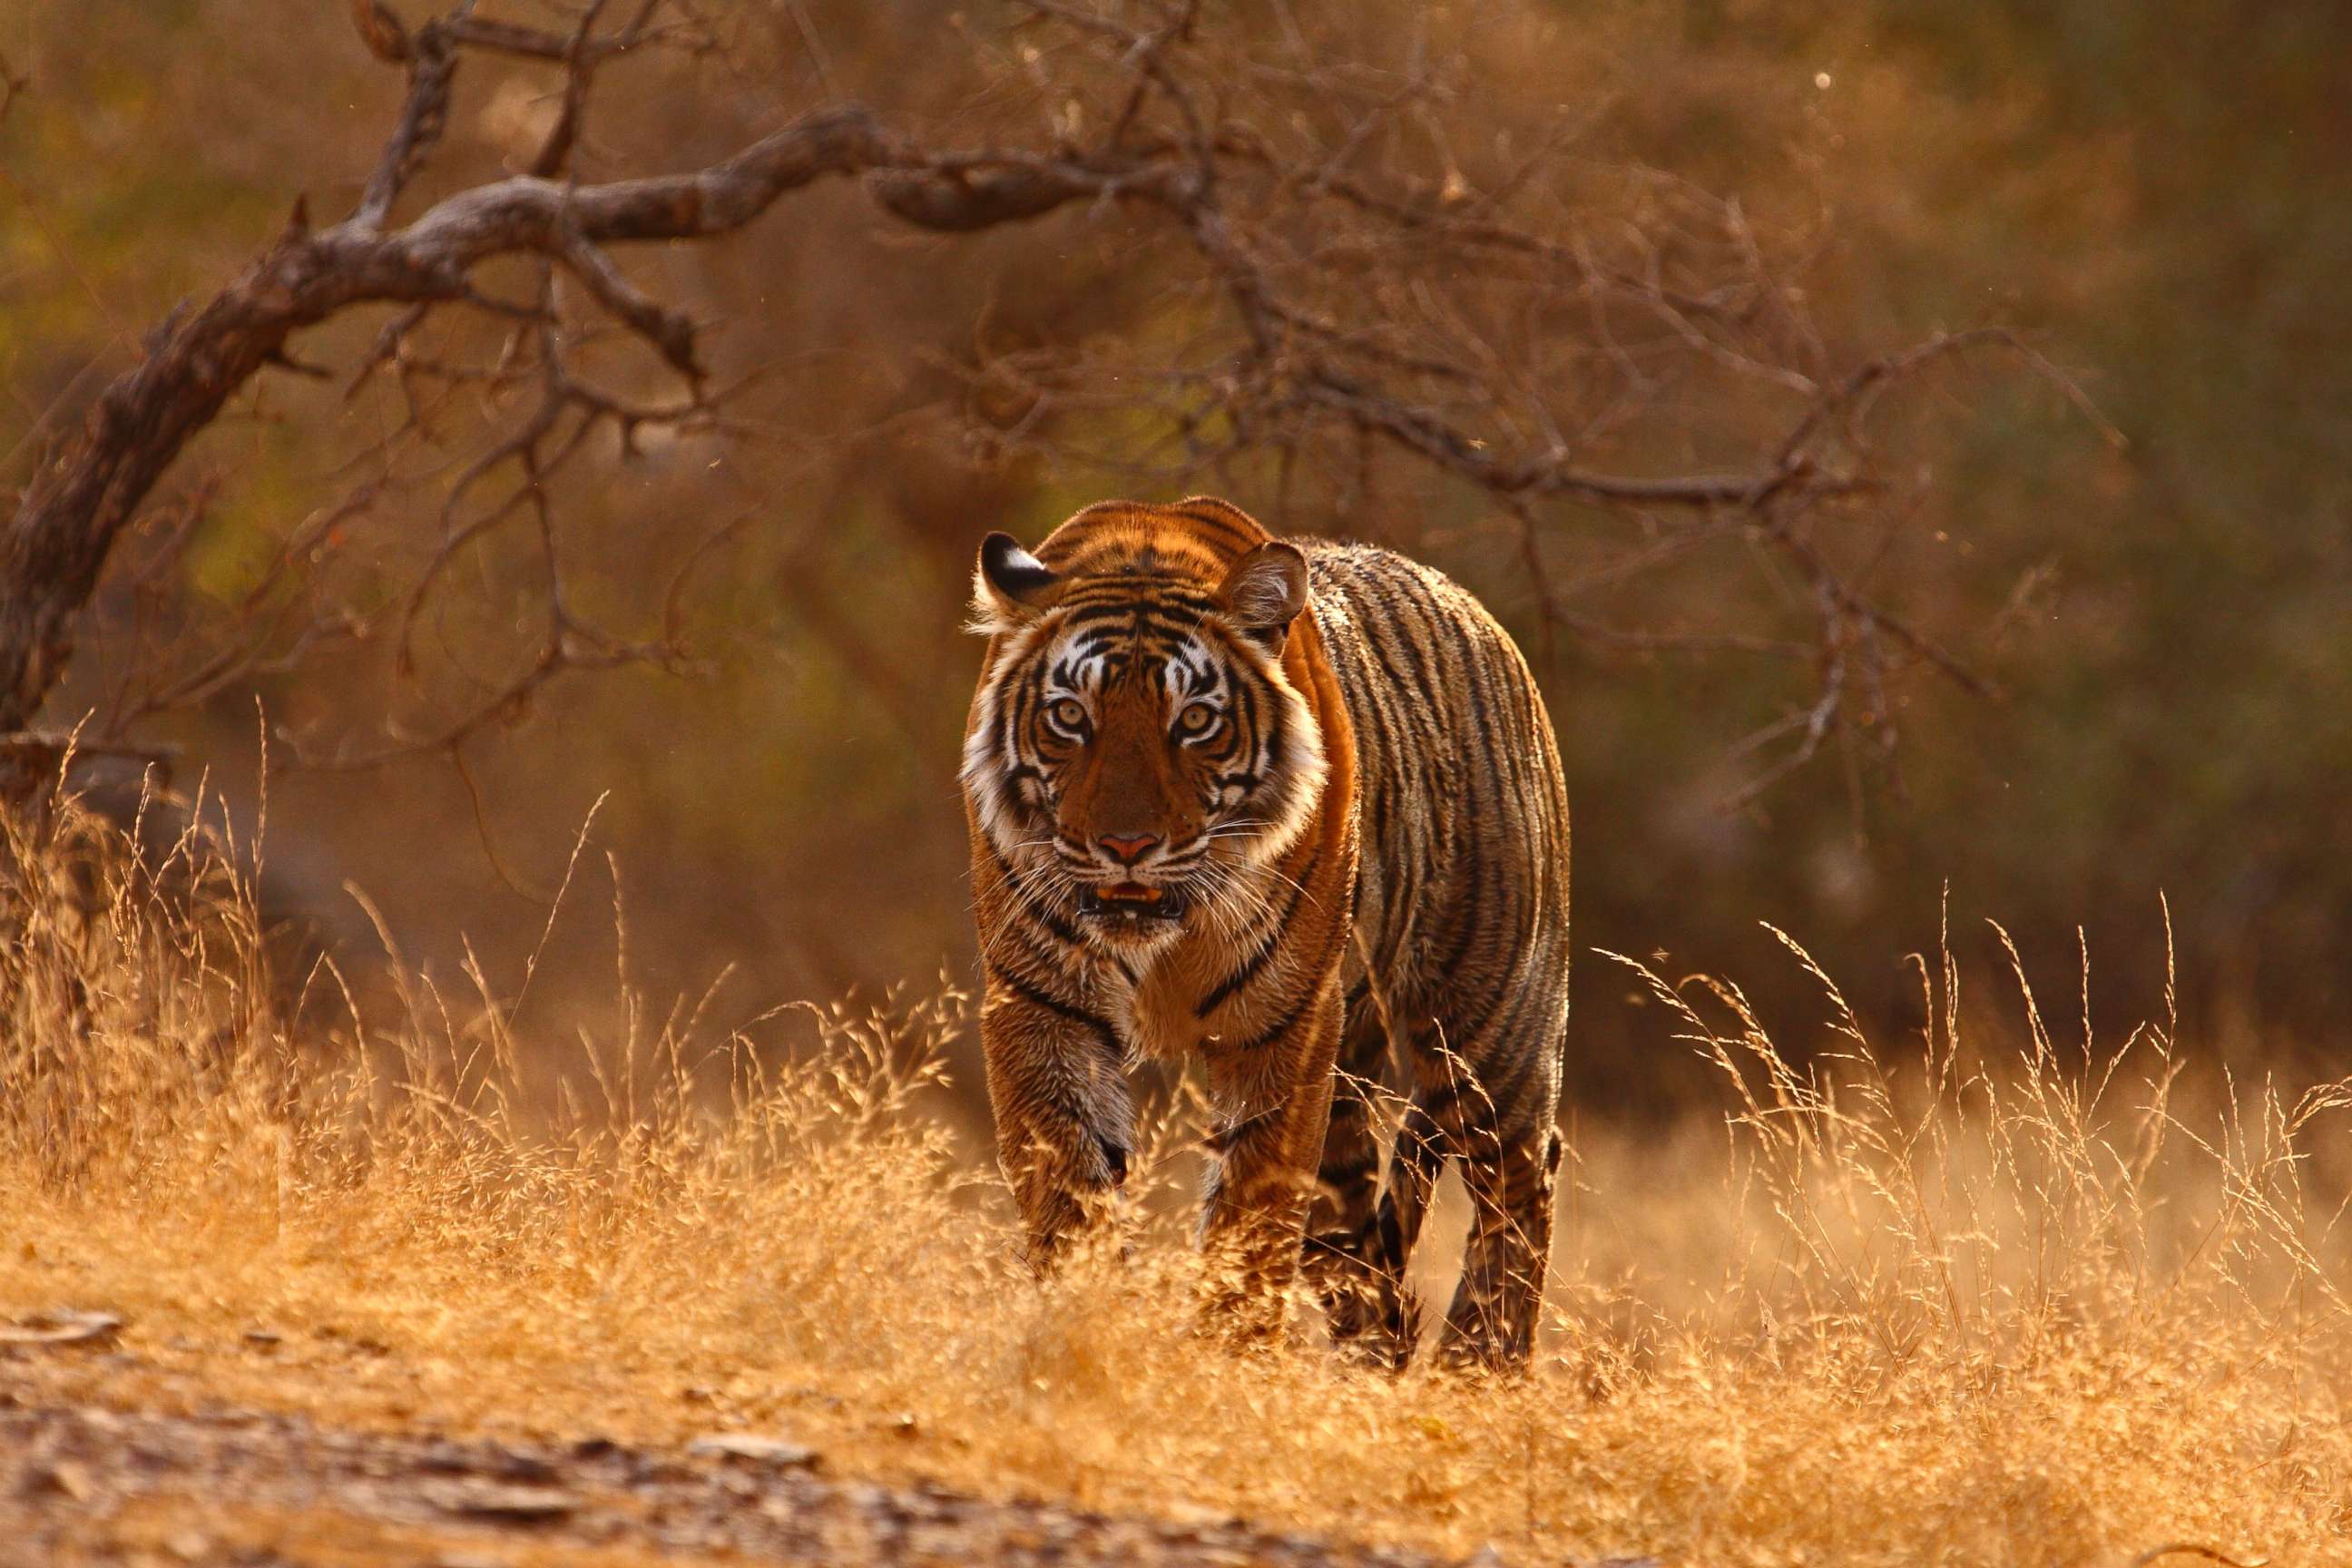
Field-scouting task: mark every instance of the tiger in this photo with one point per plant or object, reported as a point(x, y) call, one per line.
point(1292, 809)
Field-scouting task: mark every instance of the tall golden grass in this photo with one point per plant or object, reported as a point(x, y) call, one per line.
point(2037, 1299)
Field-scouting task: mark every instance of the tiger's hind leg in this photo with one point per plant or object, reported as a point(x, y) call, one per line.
point(1510, 1148)
point(1492, 1321)
point(1358, 1237)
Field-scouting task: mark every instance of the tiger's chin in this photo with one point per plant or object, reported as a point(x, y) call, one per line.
point(1132, 914)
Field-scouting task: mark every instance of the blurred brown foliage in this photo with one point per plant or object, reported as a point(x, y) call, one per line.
point(2155, 185)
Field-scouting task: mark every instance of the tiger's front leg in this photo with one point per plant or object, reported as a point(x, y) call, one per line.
point(1064, 1121)
point(1273, 1095)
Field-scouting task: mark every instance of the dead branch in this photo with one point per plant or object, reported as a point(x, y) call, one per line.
point(1362, 310)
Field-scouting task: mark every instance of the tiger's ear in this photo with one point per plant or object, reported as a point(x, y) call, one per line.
point(1264, 590)
point(1010, 588)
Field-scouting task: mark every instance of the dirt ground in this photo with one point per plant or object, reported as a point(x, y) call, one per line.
point(86, 1480)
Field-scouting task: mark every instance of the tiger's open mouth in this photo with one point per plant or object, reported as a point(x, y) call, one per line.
point(1133, 901)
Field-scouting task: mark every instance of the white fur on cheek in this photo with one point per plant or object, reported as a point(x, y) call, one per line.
point(1305, 770)
point(1294, 788)
point(983, 765)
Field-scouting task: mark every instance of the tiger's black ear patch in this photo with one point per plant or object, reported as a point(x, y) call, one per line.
point(1011, 585)
point(1011, 570)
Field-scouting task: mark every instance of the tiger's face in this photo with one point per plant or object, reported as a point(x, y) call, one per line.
point(1137, 755)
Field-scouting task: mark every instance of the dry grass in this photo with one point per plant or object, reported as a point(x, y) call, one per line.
point(2034, 1308)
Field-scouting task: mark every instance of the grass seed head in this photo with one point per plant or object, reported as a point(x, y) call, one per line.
point(1964, 1301)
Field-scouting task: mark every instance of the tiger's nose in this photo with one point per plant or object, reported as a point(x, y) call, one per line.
point(1128, 847)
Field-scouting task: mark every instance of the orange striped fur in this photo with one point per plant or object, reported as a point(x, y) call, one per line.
point(1294, 809)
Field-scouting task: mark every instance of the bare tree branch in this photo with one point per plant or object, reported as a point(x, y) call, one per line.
point(1359, 310)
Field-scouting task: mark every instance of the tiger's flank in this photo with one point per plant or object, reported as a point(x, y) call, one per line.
point(1295, 808)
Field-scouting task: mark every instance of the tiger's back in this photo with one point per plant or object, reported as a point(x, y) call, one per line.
point(1461, 807)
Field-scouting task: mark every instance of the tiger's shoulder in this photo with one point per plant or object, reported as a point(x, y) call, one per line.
point(1361, 591)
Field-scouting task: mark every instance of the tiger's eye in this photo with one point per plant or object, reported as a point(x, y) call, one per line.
point(1068, 712)
point(1196, 721)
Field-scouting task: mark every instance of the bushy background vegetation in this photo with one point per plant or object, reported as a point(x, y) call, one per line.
point(2155, 187)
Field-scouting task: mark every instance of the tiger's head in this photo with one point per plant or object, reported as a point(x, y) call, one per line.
point(1138, 753)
